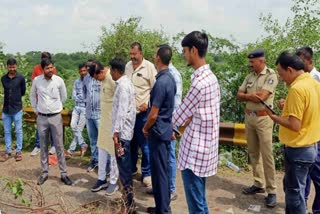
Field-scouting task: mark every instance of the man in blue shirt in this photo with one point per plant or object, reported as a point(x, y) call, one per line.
point(158, 129)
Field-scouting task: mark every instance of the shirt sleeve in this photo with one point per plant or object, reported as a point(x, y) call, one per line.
point(153, 73)
point(271, 83)
point(295, 104)
point(243, 86)
point(160, 91)
point(33, 96)
point(63, 91)
point(188, 107)
point(123, 99)
point(23, 86)
point(74, 91)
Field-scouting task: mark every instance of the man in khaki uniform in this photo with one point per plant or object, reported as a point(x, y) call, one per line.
point(261, 82)
point(142, 74)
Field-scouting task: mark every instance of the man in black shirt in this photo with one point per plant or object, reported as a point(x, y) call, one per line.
point(14, 85)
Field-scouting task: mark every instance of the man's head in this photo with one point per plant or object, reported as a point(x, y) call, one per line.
point(117, 68)
point(98, 71)
point(195, 46)
point(136, 53)
point(257, 61)
point(47, 67)
point(45, 55)
point(162, 56)
point(90, 63)
point(306, 54)
point(289, 67)
point(83, 70)
point(12, 66)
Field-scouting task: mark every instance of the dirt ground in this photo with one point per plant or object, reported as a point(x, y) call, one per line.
point(223, 191)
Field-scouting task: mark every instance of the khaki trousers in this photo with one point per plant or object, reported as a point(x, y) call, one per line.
point(259, 139)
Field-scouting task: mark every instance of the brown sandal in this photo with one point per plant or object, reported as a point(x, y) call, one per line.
point(18, 156)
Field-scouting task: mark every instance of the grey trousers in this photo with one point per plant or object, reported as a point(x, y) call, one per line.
point(51, 125)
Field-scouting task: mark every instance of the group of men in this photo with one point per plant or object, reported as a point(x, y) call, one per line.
point(138, 105)
point(127, 107)
point(299, 127)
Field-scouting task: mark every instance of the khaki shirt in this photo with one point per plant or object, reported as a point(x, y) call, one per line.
point(254, 82)
point(143, 79)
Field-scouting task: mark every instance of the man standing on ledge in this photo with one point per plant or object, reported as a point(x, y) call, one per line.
point(48, 92)
point(200, 112)
point(299, 129)
point(261, 82)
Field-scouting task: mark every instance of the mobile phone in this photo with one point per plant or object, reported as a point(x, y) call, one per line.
point(266, 105)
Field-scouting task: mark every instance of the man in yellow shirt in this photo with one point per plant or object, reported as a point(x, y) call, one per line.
point(299, 129)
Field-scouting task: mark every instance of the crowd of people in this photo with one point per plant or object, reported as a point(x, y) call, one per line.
point(138, 105)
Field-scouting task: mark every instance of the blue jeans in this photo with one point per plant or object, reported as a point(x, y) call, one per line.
point(139, 140)
point(195, 189)
point(315, 177)
point(78, 121)
point(7, 124)
point(125, 173)
point(93, 128)
point(298, 163)
point(173, 166)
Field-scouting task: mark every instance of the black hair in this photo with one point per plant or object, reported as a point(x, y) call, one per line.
point(198, 40)
point(11, 61)
point(45, 62)
point(136, 44)
point(82, 65)
point(165, 53)
point(45, 55)
point(306, 52)
point(287, 59)
point(118, 64)
point(95, 68)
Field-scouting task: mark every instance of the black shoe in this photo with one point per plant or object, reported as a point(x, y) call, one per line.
point(252, 190)
point(42, 179)
point(271, 200)
point(66, 180)
point(101, 184)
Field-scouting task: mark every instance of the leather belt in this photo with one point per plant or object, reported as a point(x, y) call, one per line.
point(256, 113)
point(48, 115)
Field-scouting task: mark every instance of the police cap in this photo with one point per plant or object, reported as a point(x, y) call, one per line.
point(256, 53)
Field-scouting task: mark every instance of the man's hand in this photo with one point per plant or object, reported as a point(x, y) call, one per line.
point(281, 103)
point(115, 138)
point(143, 107)
point(173, 137)
point(145, 133)
point(188, 121)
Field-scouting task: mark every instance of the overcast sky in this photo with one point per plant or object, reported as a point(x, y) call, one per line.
point(65, 25)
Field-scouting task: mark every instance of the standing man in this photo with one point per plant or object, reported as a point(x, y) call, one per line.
point(78, 119)
point(306, 54)
point(91, 90)
point(123, 120)
point(14, 86)
point(48, 92)
point(261, 82)
point(37, 71)
point(158, 129)
point(200, 113)
point(142, 74)
point(299, 128)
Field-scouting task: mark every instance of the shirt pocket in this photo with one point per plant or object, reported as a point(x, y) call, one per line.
point(54, 92)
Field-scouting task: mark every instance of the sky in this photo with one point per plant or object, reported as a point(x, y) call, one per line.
point(75, 25)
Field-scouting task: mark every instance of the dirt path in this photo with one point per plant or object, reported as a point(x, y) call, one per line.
point(223, 191)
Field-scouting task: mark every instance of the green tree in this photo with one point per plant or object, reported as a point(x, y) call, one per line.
point(115, 40)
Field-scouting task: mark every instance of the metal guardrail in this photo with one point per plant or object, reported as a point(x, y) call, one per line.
point(229, 133)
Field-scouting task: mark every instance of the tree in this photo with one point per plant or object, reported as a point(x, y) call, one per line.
point(115, 41)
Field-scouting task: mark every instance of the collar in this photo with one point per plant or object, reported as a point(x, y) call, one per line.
point(300, 77)
point(199, 71)
point(264, 71)
point(162, 72)
point(120, 79)
point(142, 65)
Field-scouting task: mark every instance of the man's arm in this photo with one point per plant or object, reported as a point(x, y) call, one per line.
point(33, 96)
point(291, 123)
point(23, 86)
point(63, 91)
point(252, 97)
point(152, 117)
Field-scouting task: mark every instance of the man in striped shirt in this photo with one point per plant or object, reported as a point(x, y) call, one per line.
point(200, 113)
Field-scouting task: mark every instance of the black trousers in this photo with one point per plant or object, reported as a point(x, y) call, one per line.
point(160, 173)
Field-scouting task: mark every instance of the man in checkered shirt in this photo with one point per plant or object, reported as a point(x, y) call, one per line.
point(200, 113)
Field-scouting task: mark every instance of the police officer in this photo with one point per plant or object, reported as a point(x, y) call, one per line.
point(262, 82)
